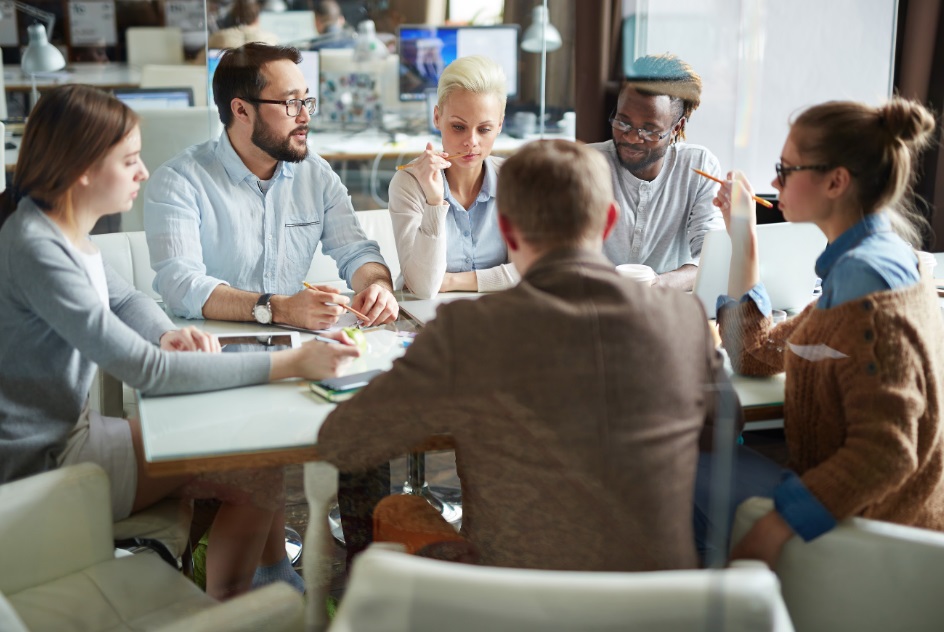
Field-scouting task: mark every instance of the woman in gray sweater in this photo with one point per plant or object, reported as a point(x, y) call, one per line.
point(64, 312)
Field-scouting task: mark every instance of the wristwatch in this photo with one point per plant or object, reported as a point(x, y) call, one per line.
point(262, 311)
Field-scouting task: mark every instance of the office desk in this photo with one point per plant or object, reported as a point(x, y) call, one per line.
point(107, 76)
point(277, 424)
point(254, 426)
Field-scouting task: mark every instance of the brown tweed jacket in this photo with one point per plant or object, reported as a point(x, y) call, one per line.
point(575, 400)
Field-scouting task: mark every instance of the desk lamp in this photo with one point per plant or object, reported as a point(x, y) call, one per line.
point(40, 55)
point(541, 37)
point(368, 46)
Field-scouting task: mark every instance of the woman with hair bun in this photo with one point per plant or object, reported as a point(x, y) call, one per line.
point(864, 362)
point(443, 205)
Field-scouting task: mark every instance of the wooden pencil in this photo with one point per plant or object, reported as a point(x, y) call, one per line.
point(759, 200)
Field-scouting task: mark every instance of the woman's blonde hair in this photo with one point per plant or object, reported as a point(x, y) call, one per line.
point(69, 131)
point(879, 147)
point(476, 74)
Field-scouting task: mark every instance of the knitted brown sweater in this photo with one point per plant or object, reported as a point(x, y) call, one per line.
point(862, 407)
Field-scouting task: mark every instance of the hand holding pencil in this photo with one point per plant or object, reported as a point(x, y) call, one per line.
point(427, 168)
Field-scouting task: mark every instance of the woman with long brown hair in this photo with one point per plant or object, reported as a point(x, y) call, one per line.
point(64, 312)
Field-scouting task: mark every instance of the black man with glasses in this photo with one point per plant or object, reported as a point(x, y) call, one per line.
point(665, 207)
point(232, 225)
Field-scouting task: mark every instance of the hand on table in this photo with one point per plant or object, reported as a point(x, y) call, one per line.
point(319, 360)
point(377, 303)
point(189, 339)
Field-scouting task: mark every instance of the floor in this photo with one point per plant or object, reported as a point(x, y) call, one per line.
point(441, 472)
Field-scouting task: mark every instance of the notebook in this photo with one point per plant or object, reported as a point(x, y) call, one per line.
point(788, 254)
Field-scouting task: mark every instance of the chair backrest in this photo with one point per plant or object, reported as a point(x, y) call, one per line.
point(377, 226)
point(128, 254)
point(864, 575)
point(391, 591)
point(164, 134)
point(33, 508)
point(177, 76)
point(154, 45)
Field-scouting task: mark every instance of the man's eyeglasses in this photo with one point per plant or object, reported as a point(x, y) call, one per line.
point(293, 107)
point(783, 172)
point(645, 134)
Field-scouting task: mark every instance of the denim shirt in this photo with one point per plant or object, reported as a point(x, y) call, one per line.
point(868, 257)
point(208, 223)
point(473, 241)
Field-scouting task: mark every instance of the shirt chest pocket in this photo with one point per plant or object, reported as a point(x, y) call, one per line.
point(301, 237)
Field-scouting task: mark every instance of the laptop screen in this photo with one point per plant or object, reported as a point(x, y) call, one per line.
point(155, 98)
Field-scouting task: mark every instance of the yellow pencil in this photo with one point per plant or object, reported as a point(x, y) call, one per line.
point(759, 200)
point(350, 309)
point(401, 167)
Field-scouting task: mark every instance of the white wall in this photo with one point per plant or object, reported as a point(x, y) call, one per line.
point(763, 60)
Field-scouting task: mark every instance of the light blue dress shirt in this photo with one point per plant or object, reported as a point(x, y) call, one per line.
point(473, 240)
point(208, 223)
point(869, 257)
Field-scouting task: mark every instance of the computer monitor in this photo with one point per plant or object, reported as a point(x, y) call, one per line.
point(310, 67)
point(155, 98)
point(426, 50)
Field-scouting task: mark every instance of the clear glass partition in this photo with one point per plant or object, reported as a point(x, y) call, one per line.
point(760, 62)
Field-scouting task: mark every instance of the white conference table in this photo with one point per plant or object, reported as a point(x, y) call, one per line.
point(277, 424)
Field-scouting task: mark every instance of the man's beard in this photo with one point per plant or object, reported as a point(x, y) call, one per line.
point(278, 148)
point(651, 157)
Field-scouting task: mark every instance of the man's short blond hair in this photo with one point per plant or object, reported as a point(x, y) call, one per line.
point(475, 73)
point(556, 192)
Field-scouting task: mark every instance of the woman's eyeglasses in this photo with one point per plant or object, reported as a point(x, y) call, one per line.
point(783, 172)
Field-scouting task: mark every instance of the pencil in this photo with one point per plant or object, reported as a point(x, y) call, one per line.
point(401, 167)
point(759, 200)
point(350, 309)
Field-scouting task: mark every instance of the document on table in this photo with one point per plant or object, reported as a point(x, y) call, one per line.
point(347, 319)
point(423, 311)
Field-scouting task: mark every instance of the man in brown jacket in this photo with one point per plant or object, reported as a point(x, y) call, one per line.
point(575, 399)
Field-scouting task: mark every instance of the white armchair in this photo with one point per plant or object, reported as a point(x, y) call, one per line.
point(864, 575)
point(390, 591)
point(60, 573)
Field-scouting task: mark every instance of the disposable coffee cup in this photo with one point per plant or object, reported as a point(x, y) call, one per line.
point(637, 272)
point(778, 316)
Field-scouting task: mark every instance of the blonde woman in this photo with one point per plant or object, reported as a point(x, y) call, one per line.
point(443, 205)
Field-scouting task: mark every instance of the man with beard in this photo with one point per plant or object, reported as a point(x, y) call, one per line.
point(232, 224)
point(665, 207)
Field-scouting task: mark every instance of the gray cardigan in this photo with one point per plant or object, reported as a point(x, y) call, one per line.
point(55, 331)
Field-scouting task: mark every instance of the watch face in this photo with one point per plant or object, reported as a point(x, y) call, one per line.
point(262, 314)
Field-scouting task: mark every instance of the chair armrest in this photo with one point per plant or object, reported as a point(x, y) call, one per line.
point(275, 608)
point(66, 513)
